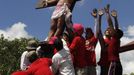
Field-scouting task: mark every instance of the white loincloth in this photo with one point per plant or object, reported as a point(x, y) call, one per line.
point(59, 11)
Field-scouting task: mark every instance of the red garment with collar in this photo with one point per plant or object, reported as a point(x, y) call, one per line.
point(77, 48)
point(90, 51)
point(40, 67)
point(114, 45)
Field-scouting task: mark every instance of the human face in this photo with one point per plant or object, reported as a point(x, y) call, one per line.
point(89, 34)
point(109, 32)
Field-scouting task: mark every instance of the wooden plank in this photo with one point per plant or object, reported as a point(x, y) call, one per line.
point(127, 47)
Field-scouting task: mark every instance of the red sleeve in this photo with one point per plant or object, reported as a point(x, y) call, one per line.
point(94, 41)
point(50, 62)
point(19, 73)
point(113, 49)
point(73, 45)
point(55, 51)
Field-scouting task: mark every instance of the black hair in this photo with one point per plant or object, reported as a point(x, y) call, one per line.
point(65, 34)
point(58, 44)
point(88, 32)
point(47, 50)
point(119, 33)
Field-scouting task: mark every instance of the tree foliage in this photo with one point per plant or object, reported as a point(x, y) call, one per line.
point(10, 53)
point(132, 73)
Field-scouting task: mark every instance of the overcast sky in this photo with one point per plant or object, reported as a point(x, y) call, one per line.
point(19, 18)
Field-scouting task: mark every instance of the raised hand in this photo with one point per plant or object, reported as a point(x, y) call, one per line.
point(94, 13)
point(107, 8)
point(45, 3)
point(114, 13)
point(100, 12)
point(41, 4)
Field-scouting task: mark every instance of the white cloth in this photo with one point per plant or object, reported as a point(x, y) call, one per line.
point(38, 51)
point(24, 61)
point(60, 10)
point(62, 62)
point(65, 45)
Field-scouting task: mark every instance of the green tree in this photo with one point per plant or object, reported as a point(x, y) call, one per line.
point(132, 73)
point(10, 53)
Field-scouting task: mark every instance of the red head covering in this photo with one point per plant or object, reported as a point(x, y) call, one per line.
point(78, 28)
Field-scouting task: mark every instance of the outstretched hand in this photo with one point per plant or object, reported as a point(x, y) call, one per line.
point(41, 4)
point(100, 12)
point(114, 13)
point(94, 13)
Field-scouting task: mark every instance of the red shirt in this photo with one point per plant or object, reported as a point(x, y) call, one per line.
point(90, 51)
point(77, 48)
point(104, 54)
point(19, 73)
point(114, 45)
point(40, 67)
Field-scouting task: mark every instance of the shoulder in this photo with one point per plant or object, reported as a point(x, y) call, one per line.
point(24, 53)
point(56, 56)
point(77, 38)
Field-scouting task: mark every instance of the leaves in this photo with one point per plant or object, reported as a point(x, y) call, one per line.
point(10, 53)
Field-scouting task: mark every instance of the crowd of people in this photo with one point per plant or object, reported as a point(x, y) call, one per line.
point(71, 53)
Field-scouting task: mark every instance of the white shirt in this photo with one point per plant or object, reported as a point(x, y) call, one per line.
point(24, 61)
point(38, 51)
point(62, 62)
point(65, 46)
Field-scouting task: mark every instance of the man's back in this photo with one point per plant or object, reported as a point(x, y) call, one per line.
point(62, 61)
point(78, 50)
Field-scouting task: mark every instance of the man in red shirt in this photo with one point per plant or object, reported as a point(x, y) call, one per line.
point(90, 52)
point(110, 61)
point(78, 49)
point(19, 73)
point(103, 62)
point(41, 66)
point(91, 41)
point(114, 59)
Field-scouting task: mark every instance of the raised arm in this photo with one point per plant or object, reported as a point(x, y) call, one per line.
point(99, 32)
point(127, 47)
point(94, 14)
point(69, 24)
point(109, 20)
point(114, 15)
point(46, 3)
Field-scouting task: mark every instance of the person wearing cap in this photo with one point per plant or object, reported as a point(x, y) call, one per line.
point(44, 49)
point(24, 63)
point(31, 56)
point(39, 66)
point(77, 48)
point(61, 61)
